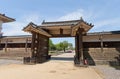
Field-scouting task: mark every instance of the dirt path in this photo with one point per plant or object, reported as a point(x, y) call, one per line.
point(54, 69)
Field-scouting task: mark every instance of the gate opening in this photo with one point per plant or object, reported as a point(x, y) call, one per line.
point(62, 49)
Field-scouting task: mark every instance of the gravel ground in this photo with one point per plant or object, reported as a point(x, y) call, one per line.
point(7, 62)
point(57, 68)
point(107, 72)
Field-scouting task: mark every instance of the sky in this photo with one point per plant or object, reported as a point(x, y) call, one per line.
point(103, 14)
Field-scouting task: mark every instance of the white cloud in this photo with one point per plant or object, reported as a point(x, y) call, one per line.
point(107, 25)
point(76, 15)
point(15, 28)
point(92, 16)
point(115, 21)
point(32, 18)
point(73, 15)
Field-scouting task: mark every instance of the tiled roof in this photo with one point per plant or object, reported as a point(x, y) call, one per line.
point(72, 22)
point(65, 23)
point(105, 32)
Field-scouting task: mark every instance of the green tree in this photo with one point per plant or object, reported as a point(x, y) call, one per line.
point(70, 46)
point(51, 45)
point(58, 46)
point(62, 45)
point(65, 45)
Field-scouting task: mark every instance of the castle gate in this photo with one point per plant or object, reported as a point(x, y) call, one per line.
point(42, 33)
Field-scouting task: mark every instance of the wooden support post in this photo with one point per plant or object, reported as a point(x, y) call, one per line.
point(80, 30)
point(6, 44)
point(47, 46)
point(79, 47)
point(0, 45)
point(26, 45)
point(78, 53)
point(33, 44)
point(38, 46)
point(61, 31)
point(76, 45)
point(76, 57)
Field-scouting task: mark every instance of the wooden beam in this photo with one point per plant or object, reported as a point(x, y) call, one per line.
point(59, 35)
point(61, 31)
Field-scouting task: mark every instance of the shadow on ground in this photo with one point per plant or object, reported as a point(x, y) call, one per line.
point(63, 58)
point(116, 64)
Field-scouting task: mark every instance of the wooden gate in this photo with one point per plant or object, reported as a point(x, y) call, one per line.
point(42, 33)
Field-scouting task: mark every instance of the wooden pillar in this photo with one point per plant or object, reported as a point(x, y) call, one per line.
point(6, 44)
point(47, 46)
point(0, 45)
point(61, 31)
point(26, 45)
point(79, 46)
point(76, 45)
point(33, 44)
point(80, 30)
point(38, 46)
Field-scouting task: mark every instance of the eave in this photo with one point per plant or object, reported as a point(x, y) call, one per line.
point(82, 25)
point(34, 28)
point(6, 19)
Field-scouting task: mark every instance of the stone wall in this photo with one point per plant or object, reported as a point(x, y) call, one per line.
point(15, 52)
point(108, 56)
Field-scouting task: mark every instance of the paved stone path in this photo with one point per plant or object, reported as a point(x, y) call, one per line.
point(7, 62)
point(108, 72)
point(66, 57)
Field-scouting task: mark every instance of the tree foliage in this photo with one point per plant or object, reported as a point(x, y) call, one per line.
point(60, 46)
point(51, 45)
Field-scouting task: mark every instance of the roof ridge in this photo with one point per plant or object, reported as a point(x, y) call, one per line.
point(60, 21)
